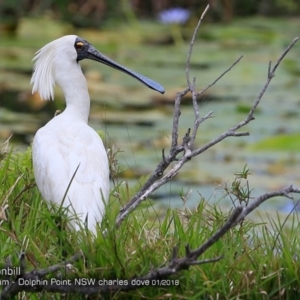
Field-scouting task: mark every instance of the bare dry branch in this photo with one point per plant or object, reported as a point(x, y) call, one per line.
point(228, 224)
point(15, 286)
point(157, 179)
point(55, 268)
point(176, 117)
point(286, 192)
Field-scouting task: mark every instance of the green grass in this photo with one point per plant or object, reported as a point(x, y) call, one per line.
point(261, 261)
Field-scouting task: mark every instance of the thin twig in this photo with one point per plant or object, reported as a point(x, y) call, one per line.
point(218, 78)
point(206, 261)
point(187, 69)
point(285, 52)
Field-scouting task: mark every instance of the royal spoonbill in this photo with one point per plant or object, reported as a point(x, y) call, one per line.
point(66, 145)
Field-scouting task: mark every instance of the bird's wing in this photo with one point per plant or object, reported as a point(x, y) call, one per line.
point(57, 152)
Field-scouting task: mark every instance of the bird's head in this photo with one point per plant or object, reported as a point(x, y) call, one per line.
point(58, 57)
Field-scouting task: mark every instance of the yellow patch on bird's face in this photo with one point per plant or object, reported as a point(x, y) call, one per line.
point(79, 45)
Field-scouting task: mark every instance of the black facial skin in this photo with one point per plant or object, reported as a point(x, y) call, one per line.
point(86, 51)
point(81, 47)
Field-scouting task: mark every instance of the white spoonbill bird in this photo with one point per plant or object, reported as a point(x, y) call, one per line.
point(66, 143)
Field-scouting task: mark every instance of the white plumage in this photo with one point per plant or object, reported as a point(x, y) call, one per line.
point(66, 142)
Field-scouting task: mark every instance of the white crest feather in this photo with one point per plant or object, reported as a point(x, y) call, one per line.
point(43, 78)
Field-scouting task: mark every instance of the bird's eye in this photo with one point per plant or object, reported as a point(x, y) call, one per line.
point(79, 46)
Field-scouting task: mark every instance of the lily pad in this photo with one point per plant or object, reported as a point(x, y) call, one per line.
point(283, 142)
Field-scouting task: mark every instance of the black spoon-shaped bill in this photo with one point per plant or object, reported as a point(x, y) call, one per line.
point(94, 54)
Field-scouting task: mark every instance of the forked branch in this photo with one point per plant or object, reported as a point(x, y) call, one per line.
point(158, 178)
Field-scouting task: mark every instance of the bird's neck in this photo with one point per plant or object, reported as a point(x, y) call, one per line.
point(75, 90)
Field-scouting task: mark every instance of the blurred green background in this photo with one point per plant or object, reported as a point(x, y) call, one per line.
point(153, 39)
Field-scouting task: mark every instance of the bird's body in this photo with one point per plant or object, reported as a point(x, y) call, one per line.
point(66, 151)
point(68, 144)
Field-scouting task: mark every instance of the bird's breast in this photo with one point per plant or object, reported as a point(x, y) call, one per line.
point(60, 148)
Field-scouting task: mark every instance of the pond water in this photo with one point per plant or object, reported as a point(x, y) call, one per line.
point(138, 121)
